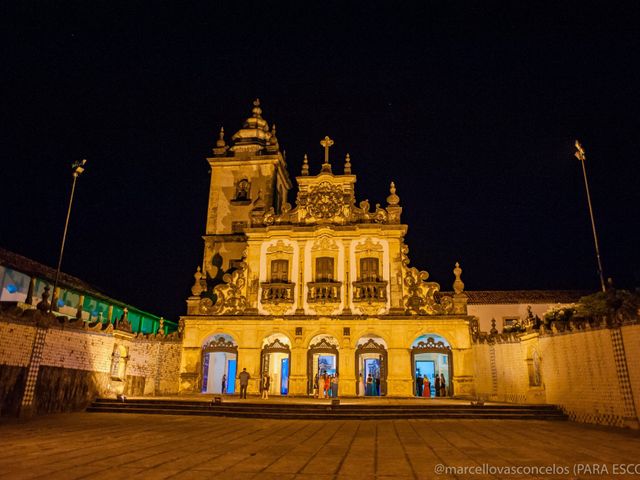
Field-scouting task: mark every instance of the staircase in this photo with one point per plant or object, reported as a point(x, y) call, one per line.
point(315, 411)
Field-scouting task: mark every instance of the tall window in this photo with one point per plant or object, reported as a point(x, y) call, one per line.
point(279, 271)
point(369, 269)
point(324, 269)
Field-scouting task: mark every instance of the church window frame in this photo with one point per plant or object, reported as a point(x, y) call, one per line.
point(279, 271)
point(369, 269)
point(325, 269)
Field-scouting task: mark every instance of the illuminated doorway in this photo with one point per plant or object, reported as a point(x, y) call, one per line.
point(431, 356)
point(275, 362)
point(219, 364)
point(371, 367)
point(322, 358)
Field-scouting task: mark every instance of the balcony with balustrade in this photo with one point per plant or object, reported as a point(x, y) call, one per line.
point(275, 293)
point(324, 292)
point(369, 291)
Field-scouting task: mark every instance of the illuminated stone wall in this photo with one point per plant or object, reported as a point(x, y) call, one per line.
point(75, 363)
point(594, 374)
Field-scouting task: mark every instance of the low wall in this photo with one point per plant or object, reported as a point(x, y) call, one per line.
point(54, 364)
point(593, 374)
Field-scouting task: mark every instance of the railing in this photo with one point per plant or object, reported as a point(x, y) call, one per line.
point(369, 291)
point(320, 292)
point(277, 292)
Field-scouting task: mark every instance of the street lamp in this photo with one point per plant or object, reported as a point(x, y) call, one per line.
point(78, 168)
point(582, 157)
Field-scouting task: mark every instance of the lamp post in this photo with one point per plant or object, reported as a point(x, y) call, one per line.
point(580, 155)
point(78, 168)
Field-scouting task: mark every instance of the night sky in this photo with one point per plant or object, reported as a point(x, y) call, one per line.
point(473, 113)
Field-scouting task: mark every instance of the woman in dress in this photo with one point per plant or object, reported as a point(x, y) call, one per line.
point(266, 383)
point(369, 390)
point(437, 385)
point(326, 385)
point(443, 386)
point(224, 384)
point(426, 387)
point(361, 386)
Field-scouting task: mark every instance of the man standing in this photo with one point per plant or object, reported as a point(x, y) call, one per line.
point(244, 382)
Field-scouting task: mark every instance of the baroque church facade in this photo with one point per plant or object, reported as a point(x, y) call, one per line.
point(324, 286)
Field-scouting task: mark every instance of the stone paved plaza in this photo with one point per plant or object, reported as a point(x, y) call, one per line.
point(96, 446)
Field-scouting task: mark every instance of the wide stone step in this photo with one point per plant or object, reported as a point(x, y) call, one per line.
point(327, 411)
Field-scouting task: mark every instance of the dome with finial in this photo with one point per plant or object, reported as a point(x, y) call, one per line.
point(393, 199)
point(254, 134)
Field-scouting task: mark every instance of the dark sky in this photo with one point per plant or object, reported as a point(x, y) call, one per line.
point(473, 113)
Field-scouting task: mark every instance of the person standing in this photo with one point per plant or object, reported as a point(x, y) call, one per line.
point(419, 384)
point(326, 385)
point(376, 387)
point(224, 384)
point(443, 386)
point(266, 384)
point(426, 388)
point(361, 386)
point(244, 382)
point(437, 385)
point(369, 385)
point(334, 386)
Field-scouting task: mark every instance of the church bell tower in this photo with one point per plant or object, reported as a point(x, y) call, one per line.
point(248, 178)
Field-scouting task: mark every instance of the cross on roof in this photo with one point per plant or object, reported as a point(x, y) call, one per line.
point(326, 143)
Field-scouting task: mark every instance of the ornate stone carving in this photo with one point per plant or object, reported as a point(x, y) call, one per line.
point(431, 345)
point(277, 346)
point(420, 294)
point(220, 344)
point(368, 247)
point(199, 285)
point(280, 247)
point(324, 243)
point(230, 296)
point(325, 201)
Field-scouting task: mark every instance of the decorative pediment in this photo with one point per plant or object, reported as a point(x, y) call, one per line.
point(432, 346)
point(280, 247)
point(277, 346)
point(370, 346)
point(368, 247)
point(220, 344)
point(324, 243)
point(323, 345)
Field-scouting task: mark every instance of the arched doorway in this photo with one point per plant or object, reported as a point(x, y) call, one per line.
point(275, 361)
point(322, 357)
point(371, 367)
point(431, 356)
point(219, 360)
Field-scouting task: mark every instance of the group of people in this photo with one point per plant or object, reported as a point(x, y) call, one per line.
point(423, 386)
point(265, 384)
point(325, 385)
point(370, 388)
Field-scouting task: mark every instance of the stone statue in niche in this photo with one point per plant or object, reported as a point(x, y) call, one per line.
point(243, 187)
